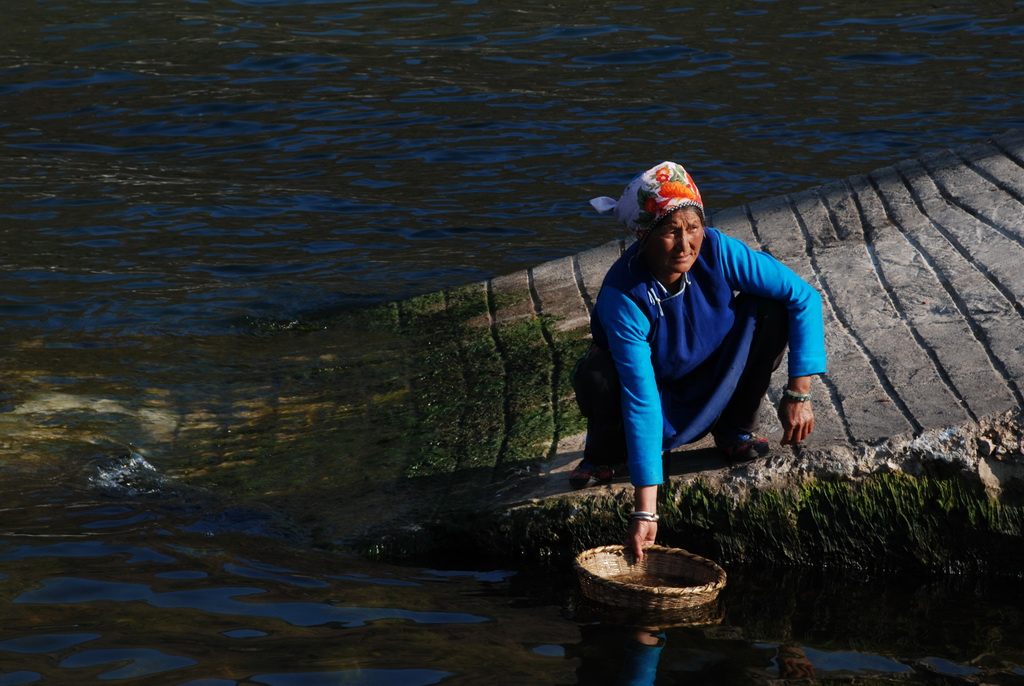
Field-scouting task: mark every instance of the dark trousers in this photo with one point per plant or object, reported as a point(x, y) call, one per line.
point(597, 387)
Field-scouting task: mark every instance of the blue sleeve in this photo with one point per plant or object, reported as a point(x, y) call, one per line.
point(760, 274)
point(627, 329)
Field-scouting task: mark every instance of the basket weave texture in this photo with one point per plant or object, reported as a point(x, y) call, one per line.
point(667, 579)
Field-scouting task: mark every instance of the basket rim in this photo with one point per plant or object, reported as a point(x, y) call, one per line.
point(674, 591)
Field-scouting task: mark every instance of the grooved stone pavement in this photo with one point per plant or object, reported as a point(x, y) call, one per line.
point(921, 271)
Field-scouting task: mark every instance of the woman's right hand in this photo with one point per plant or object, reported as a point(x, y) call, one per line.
point(641, 535)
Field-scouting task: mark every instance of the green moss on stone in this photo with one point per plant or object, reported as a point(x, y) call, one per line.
point(888, 521)
point(529, 417)
point(567, 349)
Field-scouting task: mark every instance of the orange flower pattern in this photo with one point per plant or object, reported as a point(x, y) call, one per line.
point(661, 190)
point(650, 196)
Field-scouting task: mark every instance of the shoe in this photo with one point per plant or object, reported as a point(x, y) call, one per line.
point(601, 473)
point(742, 447)
point(580, 476)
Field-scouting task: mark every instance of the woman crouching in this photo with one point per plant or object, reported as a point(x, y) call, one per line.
point(688, 327)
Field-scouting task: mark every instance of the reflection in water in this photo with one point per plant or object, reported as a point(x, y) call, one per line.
point(781, 624)
point(626, 656)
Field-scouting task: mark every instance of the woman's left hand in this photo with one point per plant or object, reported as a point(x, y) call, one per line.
point(797, 417)
point(797, 421)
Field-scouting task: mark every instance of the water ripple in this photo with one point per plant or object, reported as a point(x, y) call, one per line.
point(222, 600)
point(359, 677)
point(888, 58)
point(45, 643)
point(286, 63)
point(141, 662)
point(653, 55)
point(100, 77)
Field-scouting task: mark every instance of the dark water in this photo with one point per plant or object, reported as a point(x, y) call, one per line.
point(176, 173)
point(169, 166)
point(108, 579)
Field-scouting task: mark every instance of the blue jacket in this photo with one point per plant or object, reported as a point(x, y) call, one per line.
point(657, 338)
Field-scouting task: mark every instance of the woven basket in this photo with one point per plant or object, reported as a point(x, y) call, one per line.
point(667, 579)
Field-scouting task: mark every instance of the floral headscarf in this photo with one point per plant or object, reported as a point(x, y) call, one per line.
point(652, 195)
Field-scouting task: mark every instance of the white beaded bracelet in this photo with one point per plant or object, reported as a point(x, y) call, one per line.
point(797, 397)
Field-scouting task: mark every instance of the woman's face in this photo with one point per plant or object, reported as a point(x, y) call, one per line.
point(673, 245)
